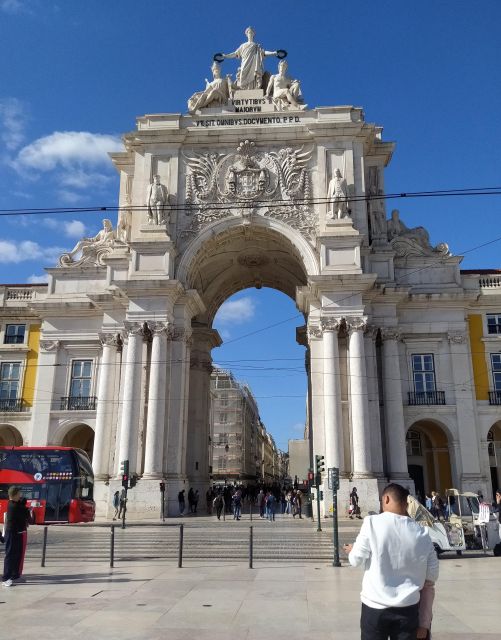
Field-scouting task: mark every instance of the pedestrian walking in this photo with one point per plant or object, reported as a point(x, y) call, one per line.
point(191, 500)
point(261, 502)
point(16, 524)
point(116, 504)
point(237, 504)
point(122, 503)
point(270, 507)
point(400, 562)
point(209, 498)
point(354, 509)
point(181, 502)
point(218, 505)
point(196, 498)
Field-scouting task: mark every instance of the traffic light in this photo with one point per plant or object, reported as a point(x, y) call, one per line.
point(125, 481)
point(320, 464)
point(124, 467)
point(133, 482)
point(320, 495)
point(162, 487)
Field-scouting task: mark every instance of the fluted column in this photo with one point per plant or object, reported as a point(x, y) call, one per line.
point(155, 425)
point(358, 395)
point(131, 395)
point(393, 406)
point(104, 411)
point(333, 423)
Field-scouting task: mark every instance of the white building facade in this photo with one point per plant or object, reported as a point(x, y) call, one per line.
point(253, 189)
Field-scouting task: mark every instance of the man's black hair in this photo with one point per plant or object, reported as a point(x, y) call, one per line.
point(397, 492)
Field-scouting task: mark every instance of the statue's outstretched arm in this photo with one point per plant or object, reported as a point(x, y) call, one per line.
point(235, 54)
point(270, 53)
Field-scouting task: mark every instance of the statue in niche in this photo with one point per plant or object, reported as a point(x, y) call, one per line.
point(412, 241)
point(337, 195)
point(284, 92)
point(157, 199)
point(376, 206)
point(216, 93)
point(91, 249)
point(251, 70)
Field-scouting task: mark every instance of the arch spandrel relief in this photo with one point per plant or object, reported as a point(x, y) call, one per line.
point(250, 181)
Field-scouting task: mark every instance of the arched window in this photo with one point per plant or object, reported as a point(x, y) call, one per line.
point(413, 443)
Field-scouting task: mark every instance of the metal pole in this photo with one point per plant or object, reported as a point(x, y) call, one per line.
point(112, 546)
point(125, 510)
point(250, 508)
point(44, 546)
point(162, 505)
point(319, 526)
point(181, 541)
point(335, 532)
point(251, 546)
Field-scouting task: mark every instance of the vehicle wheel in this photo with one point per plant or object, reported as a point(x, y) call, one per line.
point(459, 553)
point(438, 550)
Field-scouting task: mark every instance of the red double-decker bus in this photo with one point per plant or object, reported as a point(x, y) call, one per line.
point(57, 482)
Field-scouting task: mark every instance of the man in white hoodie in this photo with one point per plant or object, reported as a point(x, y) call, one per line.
point(398, 557)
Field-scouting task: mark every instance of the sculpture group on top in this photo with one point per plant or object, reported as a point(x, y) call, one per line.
point(279, 90)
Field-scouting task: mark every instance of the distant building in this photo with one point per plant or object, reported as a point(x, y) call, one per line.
point(242, 449)
point(299, 459)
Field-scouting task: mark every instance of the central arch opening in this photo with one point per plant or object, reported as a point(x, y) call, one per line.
point(248, 277)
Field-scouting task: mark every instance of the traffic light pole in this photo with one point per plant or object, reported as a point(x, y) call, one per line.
point(319, 527)
point(335, 533)
point(125, 509)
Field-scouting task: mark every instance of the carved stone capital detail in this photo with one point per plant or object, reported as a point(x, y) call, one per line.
point(390, 333)
point(314, 332)
point(160, 328)
point(134, 328)
point(331, 324)
point(108, 339)
point(180, 334)
point(371, 331)
point(49, 345)
point(456, 337)
point(356, 324)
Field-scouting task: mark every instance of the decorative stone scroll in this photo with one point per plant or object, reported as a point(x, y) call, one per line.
point(415, 242)
point(49, 345)
point(159, 328)
point(91, 250)
point(109, 339)
point(456, 337)
point(224, 185)
point(134, 328)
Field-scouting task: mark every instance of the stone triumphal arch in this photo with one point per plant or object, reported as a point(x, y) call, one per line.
point(250, 188)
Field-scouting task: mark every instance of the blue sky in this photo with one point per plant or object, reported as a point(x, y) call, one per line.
point(74, 75)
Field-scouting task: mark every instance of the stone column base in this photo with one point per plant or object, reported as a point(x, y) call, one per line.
point(368, 490)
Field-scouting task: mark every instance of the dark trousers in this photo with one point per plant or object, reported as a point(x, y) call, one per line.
point(395, 623)
point(13, 555)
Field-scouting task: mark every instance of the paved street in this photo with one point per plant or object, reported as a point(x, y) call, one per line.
point(77, 597)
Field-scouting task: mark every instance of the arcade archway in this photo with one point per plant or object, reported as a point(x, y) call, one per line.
point(80, 437)
point(494, 450)
point(10, 436)
point(428, 457)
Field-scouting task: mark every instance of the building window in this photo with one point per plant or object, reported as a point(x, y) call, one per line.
point(494, 323)
point(423, 372)
point(223, 418)
point(413, 443)
point(223, 400)
point(496, 370)
point(9, 380)
point(221, 463)
point(14, 334)
point(81, 378)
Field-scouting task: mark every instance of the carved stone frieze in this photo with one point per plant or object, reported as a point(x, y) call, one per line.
point(49, 345)
point(250, 181)
point(134, 328)
point(314, 332)
point(252, 260)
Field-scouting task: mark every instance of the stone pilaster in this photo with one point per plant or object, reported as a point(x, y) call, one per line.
point(358, 397)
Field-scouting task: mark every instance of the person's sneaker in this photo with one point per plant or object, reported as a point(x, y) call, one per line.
point(7, 583)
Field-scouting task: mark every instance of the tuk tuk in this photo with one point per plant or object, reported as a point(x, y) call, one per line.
point(446, 536)
point(480, 525)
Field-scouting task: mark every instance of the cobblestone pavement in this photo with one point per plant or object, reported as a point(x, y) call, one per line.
point(76, 598)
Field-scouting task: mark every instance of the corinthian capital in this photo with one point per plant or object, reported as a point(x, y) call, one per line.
point(390, 333)
point(160, 328)
point(356, 323)
point(456, 337)
point(371, 331)
point(331, 324)
point(314, 332)
point(134, 328)
point(181, 334)
point(108, 339)
point(49, 345)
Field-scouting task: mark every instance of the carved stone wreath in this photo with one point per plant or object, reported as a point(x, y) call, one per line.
point(273, 184)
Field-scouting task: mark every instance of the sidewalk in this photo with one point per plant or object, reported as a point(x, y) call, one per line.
point(153, 601)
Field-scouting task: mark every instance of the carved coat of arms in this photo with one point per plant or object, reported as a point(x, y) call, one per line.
point(251, 181)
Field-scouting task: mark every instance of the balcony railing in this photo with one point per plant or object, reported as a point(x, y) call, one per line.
point(426, 397)
point(495, 397)
point(77, 403)
point(11, 404)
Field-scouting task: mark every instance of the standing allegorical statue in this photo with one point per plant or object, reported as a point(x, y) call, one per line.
point(251, 54)
point(157, 198)
point(216, 93)
point(285, 92)
point(337, 195)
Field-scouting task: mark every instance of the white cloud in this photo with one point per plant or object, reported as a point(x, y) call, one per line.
point(12, 122)
point(236, 311)
point(34, 279)
point(12, 6)
point(68, 150)
point(79, 179)
point(74, 229)
point(12, 252)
